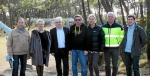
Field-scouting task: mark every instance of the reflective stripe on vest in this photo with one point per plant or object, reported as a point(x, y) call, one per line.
point(112, 36)
point(121, 36)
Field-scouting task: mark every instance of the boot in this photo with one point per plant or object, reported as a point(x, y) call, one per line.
point(38, 70)
point(41, 70)
point(115, 71)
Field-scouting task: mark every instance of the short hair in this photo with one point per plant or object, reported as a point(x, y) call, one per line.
point(91, 15)
point(111, 13)
point(58, 19)
point(40, 20)
point(133, 16)
point(78, 16)
point(21, 18)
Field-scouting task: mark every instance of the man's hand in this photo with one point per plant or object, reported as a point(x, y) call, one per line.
point(85, 52)
point(100, 53)
point(70, 52)
point(28, 57)
point(11, 54)
point(53, 54)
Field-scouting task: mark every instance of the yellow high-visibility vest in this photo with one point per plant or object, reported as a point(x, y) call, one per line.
point(113, 36)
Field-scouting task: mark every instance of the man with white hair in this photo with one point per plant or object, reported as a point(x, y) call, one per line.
point(60, 46)
point(112, 32)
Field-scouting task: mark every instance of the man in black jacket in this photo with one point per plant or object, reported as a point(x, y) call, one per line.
point(79, 39)
point(134, 40)
point(60, 46)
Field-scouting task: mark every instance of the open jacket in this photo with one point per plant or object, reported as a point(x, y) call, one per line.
point(54, 48)
point(139, 41)
point(36, 49)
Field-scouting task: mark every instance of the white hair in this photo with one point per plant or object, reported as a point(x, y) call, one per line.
point(112, 13)
point(40, 20)
point(57, 19)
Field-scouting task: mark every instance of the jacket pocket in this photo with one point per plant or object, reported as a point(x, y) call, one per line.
point(26, 37)
point(16, 38)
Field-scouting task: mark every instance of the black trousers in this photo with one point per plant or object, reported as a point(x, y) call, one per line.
point(62, 56)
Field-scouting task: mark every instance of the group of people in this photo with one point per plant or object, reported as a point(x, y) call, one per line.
point(83, 42)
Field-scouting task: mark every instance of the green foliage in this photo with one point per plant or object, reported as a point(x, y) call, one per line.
point(142, 22)
point(63, 22)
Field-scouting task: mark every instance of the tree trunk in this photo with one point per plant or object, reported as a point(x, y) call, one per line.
point(100, 17)
point(141, 9)
point(123, 19)
point(148, 28)
point(88, 7)
point(84, 12)
point(125, 7)
point(106, 5)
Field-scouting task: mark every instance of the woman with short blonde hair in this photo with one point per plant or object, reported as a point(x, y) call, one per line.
point(97, 39)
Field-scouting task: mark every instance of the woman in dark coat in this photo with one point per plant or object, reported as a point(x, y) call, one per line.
point(97, 42)
point(40, 47)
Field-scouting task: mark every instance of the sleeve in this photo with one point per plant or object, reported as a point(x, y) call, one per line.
point(143, 37)
point(87, 38)
point(10, 44)
point(68, 40)
point(102, 40)
point(29, 40)
point(31, 48)
point(52, 42)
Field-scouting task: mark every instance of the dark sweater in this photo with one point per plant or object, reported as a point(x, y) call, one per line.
point(44, 40)
point(79, 41)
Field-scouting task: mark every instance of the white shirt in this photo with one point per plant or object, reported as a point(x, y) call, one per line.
point(60, 37)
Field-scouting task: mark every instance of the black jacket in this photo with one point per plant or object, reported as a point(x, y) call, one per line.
point(97, 38)
point(81, 40)
point(139, 41)
point(54, 45)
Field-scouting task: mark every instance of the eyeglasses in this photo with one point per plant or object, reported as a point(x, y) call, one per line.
point(77, 19)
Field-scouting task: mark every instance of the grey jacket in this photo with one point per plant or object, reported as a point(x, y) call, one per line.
point(139, 41)
point(36, 49)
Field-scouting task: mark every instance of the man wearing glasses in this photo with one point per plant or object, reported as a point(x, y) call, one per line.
point(79, 40)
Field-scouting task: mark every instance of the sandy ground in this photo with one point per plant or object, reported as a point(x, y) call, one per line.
point(48, 71)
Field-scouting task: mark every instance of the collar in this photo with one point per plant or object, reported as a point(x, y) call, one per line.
point(112, 24)
point(94, 26)
point(133, 25)
point(59, 28)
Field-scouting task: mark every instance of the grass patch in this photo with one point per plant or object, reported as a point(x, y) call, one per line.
point(2, 75)
point(122, 70)
point(143, 62)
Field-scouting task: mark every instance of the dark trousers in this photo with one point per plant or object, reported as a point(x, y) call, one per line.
point(61, 55)
point(129, 61)
point(39, 70)
point(111, 53)
point(93, 63)
point(23, 61)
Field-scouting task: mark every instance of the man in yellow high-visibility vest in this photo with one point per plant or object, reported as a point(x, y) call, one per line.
point(113, 39)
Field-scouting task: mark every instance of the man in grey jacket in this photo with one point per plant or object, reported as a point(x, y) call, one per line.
point(134, 40)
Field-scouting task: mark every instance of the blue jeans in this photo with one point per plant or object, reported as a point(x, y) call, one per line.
point(129, 61)
point(83, 58)
point(23, 61)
